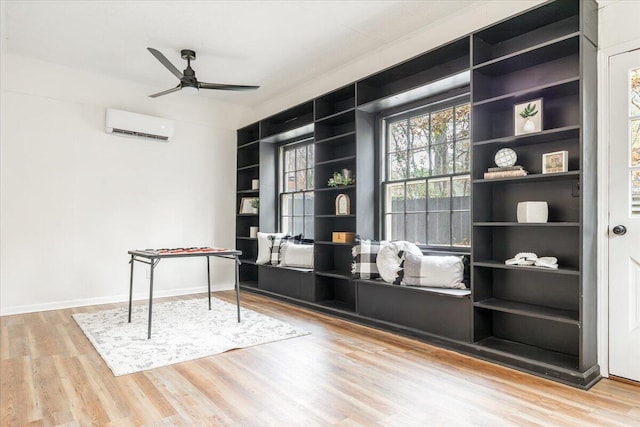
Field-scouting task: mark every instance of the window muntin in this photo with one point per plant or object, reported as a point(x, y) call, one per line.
point(426, 186)
point(296, 188)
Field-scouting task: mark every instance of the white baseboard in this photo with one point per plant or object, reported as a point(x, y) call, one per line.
point(31, 308)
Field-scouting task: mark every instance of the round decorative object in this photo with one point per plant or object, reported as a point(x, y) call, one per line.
point(505, 157)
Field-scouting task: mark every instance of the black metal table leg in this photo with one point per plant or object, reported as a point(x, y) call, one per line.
point(152, 265)
point(209, 282)
point(130, 287)
point(237, 261)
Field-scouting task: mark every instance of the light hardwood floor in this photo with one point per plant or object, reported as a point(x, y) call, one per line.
point(341, 374)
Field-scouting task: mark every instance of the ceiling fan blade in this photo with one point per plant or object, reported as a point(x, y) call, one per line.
point(164, 61)
point(219, 86)
point(165, 92)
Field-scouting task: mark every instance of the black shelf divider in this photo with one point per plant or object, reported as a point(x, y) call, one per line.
point(502, 265)
point(548, 313)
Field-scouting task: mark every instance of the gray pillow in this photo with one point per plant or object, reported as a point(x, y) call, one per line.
point(433, 271)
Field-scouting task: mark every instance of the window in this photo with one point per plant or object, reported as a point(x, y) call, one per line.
point(426, 180)
point(296, 188)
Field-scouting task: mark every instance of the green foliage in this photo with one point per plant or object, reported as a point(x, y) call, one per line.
point(529, 111)
point(338, 180)
point(255, 203)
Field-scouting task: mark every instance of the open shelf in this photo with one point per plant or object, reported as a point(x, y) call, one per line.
point(548, 135)
point(335, 102)
point(341, 188)
point(249, 284)
point(528, 353)
point(338, 139)
point(502, 265)
point(548, 313)
point(248, 191)
point(339, 160)
point(554, 89)
point(245, 238)
point(249, 144)
point(248, 261)
point(252, 166)
point(525, 224)
point(338, 305)
point(334, 273)
point(325, 242)
point(533, 177)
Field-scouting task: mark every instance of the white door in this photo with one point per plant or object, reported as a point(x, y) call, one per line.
point(624, 215)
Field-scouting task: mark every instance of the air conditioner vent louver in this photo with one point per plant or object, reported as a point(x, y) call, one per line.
point(134, 125)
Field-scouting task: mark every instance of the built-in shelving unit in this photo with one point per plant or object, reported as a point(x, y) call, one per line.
point(534, 319)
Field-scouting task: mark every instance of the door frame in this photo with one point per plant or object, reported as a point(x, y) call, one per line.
point(604, 145)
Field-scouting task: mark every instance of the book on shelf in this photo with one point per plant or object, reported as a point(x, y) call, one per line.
point(505, 168)
point(505, 174)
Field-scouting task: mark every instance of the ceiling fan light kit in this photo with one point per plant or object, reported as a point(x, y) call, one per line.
point(189, 84)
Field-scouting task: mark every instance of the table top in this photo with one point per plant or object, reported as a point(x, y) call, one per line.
point(184, 252)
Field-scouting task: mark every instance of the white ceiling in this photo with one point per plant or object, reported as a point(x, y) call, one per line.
point(275, 44)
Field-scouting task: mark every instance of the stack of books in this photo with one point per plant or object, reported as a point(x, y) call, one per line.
point(505, 172)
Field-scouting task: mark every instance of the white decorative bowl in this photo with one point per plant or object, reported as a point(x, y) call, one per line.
point(536, 212)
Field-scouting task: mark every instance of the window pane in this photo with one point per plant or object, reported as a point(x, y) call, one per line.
point(289, 160)
point(301, 180)
point(310, 155)
point(635, 192)
point(439, 192)
point(635, 142)
point(297, 204)
point(308, 227)
point(398, 166)
point(287, 205)
point(419, 131)
point(442, 126)
point(417, 196)
point(397, 136)
point(461, 160)
point(297, 225)
point(395, 198)
point(310, 184)
point(634, 108)
point(460, 193)
point(462, 121)
point(290, 181)
point(439, 228)
point(416, 228)
point(419, 165)
point(287, 224)
point(461, 228)
point(395, 227)
point(301, 157)
point(308, 203)
point(442, 159)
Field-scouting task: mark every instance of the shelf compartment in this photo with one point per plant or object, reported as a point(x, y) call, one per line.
point(248, 167)
point(546, 23)
point(248, 273)
point(335, 102)
point(539, 67)
point(555, 89)
point(502, 265)
point(329, 189)
point(537, 311)
point(336, 292)
point(249, 145)
point(246, 238)
point(249, 284)
point(432, 66)
point(333, 258)
point(337, 124)
point(249, 261)
point(248, 134)
point(524, 352)
point(288, 124)
point(248, 191)
point(548, 135)
point(337, 274)
point(343, 138)
point(347, 159)
point(320, 216)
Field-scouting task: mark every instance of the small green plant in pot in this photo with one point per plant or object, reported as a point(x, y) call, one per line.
point(527, 113)
point(339, 180)
point(255, 204)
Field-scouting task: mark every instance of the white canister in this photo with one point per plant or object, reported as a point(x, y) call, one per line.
point(533, 212)
point(253, 232)
point(255, 184)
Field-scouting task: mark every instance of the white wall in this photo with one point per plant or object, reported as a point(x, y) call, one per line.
point(618, 22)
point(74, 199)
point(474, 17)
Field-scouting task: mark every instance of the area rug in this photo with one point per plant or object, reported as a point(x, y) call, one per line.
point(181, 330)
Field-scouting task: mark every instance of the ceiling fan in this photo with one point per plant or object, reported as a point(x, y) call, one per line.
point(188, 81)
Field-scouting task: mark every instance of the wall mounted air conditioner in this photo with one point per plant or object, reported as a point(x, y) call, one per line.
point(136, 125)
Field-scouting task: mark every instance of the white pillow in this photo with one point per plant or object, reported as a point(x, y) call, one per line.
point(264, 246)
point(296, 255)
point(433, 271)
point(389, 260)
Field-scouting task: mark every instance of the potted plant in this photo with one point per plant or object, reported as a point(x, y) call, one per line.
point(527, 113)
point(255, 204)
point(339, 180)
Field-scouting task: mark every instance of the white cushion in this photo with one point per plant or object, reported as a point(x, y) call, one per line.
point(389, 259)
point(433, 271)
point(264, 246)
point(296, 255)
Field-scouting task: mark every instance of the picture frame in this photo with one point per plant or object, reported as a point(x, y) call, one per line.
point(245, 205)
point(343, 205)
point(555, 162)
point(531, 123)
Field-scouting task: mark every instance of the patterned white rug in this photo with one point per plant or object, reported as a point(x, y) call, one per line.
point(181, 330)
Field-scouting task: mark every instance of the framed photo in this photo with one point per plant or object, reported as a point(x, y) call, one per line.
point(555, 162)
point(246, 205)
point(527, 117)
point(343, 204)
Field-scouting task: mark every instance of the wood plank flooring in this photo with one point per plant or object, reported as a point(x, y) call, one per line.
point(342, 374)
